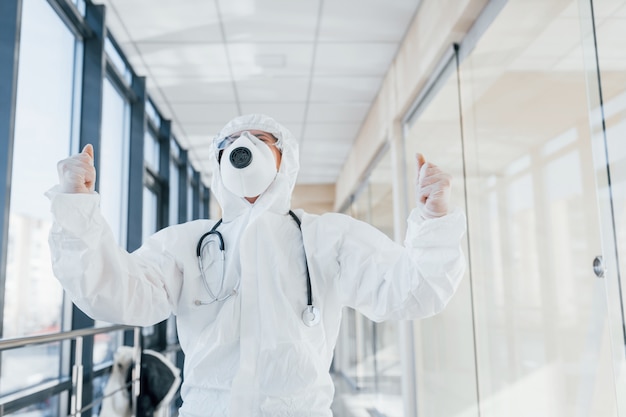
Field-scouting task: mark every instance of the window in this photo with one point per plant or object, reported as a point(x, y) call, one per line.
point(174, 182)
point(114, 160)
point(151, 149)
point(43, 136)
point(80, 6)
point(153, 115)
point(113, 188)
point(534, 218)
point(118, 62)
point(150, 201)
point(190, 192)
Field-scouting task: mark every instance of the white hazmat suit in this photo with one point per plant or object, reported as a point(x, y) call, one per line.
point(252, 355)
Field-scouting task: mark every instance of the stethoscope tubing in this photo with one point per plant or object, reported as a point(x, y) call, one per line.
point(310, 315)
point(309, 290)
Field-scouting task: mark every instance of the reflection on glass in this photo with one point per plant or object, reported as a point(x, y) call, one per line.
point(114, 151)
point(43, 131)
point(446, 375)
point(541, 315)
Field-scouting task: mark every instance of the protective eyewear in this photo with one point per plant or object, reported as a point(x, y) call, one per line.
point(224, 143)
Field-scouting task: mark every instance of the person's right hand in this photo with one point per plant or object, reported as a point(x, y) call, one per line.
point(77, 173)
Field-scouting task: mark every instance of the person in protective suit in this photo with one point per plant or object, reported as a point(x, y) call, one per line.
point(257, 295)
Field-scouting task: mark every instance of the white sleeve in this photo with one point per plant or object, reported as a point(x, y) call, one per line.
point(103, 280)
point(384, 280)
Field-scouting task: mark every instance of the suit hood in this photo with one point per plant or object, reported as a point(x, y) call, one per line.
point(277, 197)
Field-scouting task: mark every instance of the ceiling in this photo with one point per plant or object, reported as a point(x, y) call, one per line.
point(314, 65)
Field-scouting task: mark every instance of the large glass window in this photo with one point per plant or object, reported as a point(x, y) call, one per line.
point(174, 181)
point(542, 334)
point(152, 187)
point(190, 192)
point(114, 160)
point(118, 62)
point(113, 188)
point(153, 115)
point(43, 136)
point(151, 151)
point(204, 202)
point(150, 201)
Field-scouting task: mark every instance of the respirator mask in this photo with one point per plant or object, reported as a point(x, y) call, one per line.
point(247, 165)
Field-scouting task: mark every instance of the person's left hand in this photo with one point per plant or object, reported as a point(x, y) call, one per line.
point(432, 188)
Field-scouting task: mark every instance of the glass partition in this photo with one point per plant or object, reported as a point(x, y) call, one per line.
point(542, 330)
point(368, 353)
point(607, 68)
point(444, 356)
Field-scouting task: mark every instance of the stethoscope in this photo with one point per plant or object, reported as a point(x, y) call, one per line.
point(311, 314)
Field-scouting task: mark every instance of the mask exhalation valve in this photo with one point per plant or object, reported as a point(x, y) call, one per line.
point(241, 157)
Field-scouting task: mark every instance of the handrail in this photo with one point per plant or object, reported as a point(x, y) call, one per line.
point(17, 342)
point(76, 397)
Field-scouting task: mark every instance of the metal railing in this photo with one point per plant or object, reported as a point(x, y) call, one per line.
point(76, 408)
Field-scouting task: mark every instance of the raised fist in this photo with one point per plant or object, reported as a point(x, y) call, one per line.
point(77, 173)
point(432, 188)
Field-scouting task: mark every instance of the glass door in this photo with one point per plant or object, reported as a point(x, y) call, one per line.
point(605, 58)
point(542, 324)
point(444, 344)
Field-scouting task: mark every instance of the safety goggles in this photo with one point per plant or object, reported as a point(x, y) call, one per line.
point(224, 143)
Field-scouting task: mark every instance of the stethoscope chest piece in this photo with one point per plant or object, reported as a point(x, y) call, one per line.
point(311, 316)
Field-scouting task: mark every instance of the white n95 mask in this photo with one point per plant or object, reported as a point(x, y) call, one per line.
point(247, 166)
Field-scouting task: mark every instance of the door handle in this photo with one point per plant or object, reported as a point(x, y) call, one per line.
point(598, 266)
